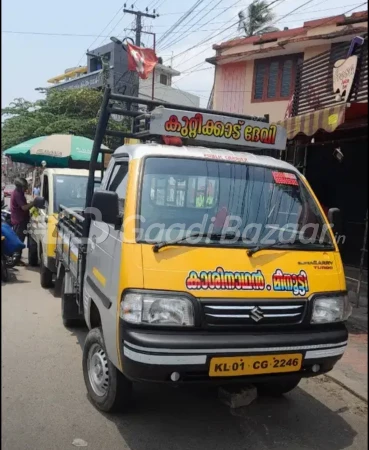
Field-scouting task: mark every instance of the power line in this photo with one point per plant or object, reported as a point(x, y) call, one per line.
point(219, 33)
point(220, 9)
point(184, 25)
point(179, 21)
point(205, 41)
point(308, 11)
point(115, 15)
point(329, 19)
point(160, 4)
point(235, 36)
point(186, 33)
point(139, 15)
point(40, 33)
point(111, 33)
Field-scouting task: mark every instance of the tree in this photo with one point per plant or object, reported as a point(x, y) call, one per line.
point(254, 21)
point(69, 111)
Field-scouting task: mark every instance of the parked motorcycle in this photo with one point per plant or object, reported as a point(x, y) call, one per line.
point(5, 216)
point(10, 247)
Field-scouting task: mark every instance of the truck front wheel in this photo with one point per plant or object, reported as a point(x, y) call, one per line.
point(107, 387)
point(278, 387)
point(32, 253)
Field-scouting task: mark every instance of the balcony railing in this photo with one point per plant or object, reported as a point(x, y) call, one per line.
point(90, 80)
point(314, 81)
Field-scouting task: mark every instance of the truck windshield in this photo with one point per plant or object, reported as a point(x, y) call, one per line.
point(70, 191)
point(250, 205)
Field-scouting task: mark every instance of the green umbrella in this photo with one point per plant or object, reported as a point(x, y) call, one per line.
point(57, 150)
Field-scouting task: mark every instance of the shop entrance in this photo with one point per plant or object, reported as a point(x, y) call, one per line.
point(344, 185)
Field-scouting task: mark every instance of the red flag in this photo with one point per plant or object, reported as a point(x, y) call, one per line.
point(142, 60)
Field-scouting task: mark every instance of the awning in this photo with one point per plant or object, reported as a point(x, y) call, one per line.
point(327, 119)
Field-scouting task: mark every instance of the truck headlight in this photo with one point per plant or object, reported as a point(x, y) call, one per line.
point(331, 309)
point(156, 309)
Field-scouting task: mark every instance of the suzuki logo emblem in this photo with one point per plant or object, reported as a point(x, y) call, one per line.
point(256, 314)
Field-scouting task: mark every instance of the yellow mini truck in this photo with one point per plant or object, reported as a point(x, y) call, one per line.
point(199, 263)
point(58, 186)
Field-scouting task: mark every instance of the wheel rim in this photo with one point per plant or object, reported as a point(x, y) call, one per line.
point(97, 367)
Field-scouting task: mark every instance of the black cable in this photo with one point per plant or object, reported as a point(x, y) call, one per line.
point(179, 22)
point(187, 32)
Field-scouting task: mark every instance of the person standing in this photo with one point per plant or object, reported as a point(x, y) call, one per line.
point(19, 210)
point(36, 191)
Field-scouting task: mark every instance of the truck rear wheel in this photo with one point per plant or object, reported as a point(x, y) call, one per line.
point(69, 309)
point(278, 387)
point(107, 387)
point(46, 276)
point(32, 252)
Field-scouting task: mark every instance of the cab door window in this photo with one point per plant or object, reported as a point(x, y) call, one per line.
point(118, 182)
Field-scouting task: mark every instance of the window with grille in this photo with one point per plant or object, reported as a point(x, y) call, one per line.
point(274, 78)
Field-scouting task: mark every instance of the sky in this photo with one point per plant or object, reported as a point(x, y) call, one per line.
point(40, 40)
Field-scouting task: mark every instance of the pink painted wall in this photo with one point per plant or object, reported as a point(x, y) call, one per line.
point(230, 88)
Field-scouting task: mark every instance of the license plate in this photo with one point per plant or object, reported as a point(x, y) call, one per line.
point(254, 365)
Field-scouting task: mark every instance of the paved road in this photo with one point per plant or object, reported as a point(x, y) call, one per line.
point(45, 405)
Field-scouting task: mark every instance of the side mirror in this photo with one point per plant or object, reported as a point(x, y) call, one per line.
point(39, 202)
point(335, 218)
point(107, 203)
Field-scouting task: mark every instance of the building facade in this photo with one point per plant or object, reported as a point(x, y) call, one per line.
point(257, 75)
point(327, 129)
point(312, 80)
point(108, 65)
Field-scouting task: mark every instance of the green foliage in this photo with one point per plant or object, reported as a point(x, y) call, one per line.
point(70, 111)
point(255, 19)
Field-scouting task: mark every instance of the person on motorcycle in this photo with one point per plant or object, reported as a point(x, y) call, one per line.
point(19, 210)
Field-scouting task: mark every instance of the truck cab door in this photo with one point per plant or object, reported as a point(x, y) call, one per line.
point(104, 258)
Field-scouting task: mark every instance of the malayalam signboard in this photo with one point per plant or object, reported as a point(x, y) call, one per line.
point(218, 129)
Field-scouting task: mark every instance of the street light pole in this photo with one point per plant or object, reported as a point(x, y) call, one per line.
point(105, 66)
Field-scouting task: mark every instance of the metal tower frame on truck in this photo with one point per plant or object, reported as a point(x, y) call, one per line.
point(108, 107)
point(140, 129)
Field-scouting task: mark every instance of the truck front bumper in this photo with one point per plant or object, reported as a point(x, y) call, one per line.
point(155, 356)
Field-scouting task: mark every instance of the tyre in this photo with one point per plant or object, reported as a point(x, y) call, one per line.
point(107, 387)
point(46, 276)
point(278, 387)
point(69, 309)
point(12, 261)
point(32, 253)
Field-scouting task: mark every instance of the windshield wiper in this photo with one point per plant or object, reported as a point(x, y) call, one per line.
point(258, 248)
point(300, 246)
point(163, 244)
point(213, 236)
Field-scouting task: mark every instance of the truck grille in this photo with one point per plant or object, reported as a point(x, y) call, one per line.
point(253, 313)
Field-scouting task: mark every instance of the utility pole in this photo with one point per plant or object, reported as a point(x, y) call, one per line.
point(139, 16)
point(153, 72)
